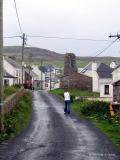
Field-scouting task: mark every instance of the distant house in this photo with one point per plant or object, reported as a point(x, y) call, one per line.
point(76, 80)
point(8, 80)
point(51, 79)
point(29, 77)
point(12, 68)
point(101, 75)
point(116, 84)
point(40, 80)
point(116, 74)
point(114, 64)
point(13, 73)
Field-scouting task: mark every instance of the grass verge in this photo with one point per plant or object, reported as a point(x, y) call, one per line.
point(73, 93)
point(9, 90)
point(109, 126)
point(97, 113)
point(18, 118)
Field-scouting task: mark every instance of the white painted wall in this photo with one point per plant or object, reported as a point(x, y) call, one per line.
point(38, 72)
point(116, 74)
point(57, 85)
point(113, 65)
point(11, 81)
point(95, 78)
point(15, 72)
point(104, 82)
point(88, 73)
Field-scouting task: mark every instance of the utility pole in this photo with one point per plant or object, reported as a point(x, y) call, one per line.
point(50, 78)
point(30, 60)
point(22, 60)
point(41, 74)
point(1, 68)
point(50, 70)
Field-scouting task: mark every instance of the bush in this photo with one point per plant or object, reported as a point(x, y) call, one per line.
point(94, 107)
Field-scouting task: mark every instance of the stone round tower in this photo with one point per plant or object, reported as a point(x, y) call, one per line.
point(70, 66)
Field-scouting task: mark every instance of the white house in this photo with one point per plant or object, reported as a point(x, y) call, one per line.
point(116, 74)
point(8, 80)
point(106, 88)
point(40, 80)
point(14, 70)
point(101, 78)
point(52, 79)
point(114, 64)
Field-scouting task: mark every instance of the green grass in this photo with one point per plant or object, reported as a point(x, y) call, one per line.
point(111, 129)
point(9, 90)
point(18, 118)
point(74, 93)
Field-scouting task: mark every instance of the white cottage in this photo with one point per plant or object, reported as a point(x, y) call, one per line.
point(8, 80)
point(101, 78)
point(40, 80)
point(13, 69)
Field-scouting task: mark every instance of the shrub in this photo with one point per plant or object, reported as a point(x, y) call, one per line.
point(94, 107)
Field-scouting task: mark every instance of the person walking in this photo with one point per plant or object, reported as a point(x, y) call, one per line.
point(67, 102)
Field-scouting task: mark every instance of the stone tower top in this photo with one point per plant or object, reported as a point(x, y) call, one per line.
point(70, 66)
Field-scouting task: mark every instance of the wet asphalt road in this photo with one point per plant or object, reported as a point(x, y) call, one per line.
point(51, 135)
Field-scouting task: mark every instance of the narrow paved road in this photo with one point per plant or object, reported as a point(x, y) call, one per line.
point(52, 135)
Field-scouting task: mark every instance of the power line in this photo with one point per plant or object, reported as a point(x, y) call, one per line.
point(18, 17)
point(107, 47)
point(69, 38)
point(11, 37)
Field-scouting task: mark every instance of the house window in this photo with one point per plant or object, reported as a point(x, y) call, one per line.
point(6, 82)
point(46, 84)
point(106, 89)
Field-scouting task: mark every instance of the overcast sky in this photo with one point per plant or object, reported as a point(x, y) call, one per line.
point(84, 19)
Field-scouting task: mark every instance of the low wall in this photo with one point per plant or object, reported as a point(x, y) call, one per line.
point(106, 99)
point(12, 100)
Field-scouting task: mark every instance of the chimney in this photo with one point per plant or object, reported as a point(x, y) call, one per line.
point(95, 81)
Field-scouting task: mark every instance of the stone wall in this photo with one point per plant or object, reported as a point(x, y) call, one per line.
point(12, 100)
point(76, 80)
point(105, 99)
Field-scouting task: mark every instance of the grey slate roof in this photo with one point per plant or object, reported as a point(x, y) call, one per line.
point(47, 68)
point(12, 62)
point(88, 67)
point(104, 71)
point(7, 75)
point(33, 74)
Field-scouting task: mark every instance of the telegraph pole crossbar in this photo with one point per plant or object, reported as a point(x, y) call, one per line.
point(116, 36)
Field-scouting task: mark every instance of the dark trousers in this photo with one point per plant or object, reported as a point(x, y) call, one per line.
point(67, 106)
